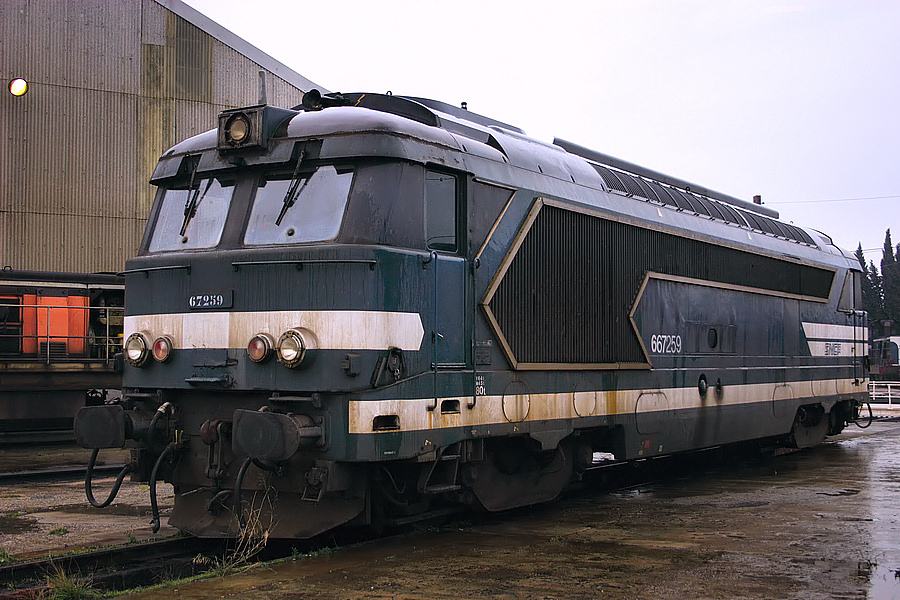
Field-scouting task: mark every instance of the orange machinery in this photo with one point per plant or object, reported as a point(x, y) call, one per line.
point(48, 325)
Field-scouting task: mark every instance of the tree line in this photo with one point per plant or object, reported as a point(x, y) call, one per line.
point(881, 290)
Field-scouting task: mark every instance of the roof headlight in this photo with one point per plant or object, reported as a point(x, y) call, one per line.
point(260, 347)
point(137, 349)
point(162, 348)
point(294, 346)
point(237, 129)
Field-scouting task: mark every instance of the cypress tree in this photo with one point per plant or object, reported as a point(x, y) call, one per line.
point(890, 281)
point(876, 308)
point(871, 303)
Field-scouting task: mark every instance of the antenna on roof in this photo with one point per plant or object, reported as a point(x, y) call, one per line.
point(262, 87)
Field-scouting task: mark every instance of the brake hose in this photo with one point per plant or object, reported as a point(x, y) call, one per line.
point(90, 475)
point(154, 509)
point(163, 408)
point(856, 421)
point(238, 481)
point(262, 465)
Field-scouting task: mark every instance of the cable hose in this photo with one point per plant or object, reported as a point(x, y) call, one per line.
point(163, 409)
point(154, 508)
point(238, 481)
point(871, 418)
point(89, 475)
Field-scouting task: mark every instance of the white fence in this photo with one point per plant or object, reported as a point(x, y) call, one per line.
point(885, 392)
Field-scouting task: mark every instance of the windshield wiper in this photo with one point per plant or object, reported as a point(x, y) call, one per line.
point(194, 199)
point(293, 190)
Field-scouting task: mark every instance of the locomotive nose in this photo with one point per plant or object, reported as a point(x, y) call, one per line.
point(273, 436)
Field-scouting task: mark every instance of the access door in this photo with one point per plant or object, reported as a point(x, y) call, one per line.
point(452, 309)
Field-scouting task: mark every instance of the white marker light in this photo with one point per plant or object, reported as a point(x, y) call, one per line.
point(18, 87)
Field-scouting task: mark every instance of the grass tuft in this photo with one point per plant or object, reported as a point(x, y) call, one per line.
point(65, 586)
point(251, 540)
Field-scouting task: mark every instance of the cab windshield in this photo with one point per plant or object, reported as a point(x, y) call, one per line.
point(306, 208)
point(192, 217)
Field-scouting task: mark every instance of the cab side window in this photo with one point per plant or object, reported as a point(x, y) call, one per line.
point(441, 210)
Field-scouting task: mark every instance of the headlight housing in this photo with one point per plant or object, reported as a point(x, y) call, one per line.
point(237, 129)
point(294, 347)
point(137, 349)
point(249, 128)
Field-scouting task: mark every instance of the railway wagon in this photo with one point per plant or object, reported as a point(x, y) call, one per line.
point(372, 307)
point(59, 333)
point(884, 359)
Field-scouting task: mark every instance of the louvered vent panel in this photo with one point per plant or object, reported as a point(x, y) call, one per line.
point(566, 295)
point(632, 185)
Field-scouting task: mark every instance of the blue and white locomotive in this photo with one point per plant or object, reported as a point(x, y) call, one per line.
point(372, 307)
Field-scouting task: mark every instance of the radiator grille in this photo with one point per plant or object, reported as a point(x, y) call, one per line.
point(567, 293)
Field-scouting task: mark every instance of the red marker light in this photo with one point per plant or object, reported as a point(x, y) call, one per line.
point(162, 348)
point(260, 347)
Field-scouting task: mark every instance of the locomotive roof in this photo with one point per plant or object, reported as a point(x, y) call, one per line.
point(444, 134)
point(22, 277)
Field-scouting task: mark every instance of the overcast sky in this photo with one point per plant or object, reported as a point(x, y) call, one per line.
point(795, 100)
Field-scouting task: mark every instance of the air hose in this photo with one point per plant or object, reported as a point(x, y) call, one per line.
point(262, 465)
point(871, 418)
point(163, 409)
point(238, 481)
point(90, 475)
point(154, 509)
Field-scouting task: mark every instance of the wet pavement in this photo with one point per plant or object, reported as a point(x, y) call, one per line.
point(53, 516)
point(821, 523)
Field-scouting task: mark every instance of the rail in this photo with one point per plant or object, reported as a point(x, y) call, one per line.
point(884, 392)
point(59, 333)
point(110, 568)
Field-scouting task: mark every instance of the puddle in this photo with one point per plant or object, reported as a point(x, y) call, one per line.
point(824, 522)
point(884, 582)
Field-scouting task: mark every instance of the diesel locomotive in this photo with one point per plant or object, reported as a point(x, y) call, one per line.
point(59, 334)
point(371, 308)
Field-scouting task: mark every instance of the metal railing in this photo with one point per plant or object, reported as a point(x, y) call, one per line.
point(59, 333)
point(884, 392)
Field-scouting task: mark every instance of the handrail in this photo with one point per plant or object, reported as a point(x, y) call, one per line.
point(46, 333)
point(884, 392)
point(147, 270)
point(299, 262)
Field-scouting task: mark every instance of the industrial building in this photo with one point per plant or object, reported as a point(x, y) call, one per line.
point(96, 91)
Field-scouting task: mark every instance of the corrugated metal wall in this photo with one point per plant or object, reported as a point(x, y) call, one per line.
point(112, 85)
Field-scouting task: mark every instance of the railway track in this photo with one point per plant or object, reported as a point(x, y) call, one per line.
point(68, 473)
point(128, 567)
point(117, 568)
point(37, 437)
